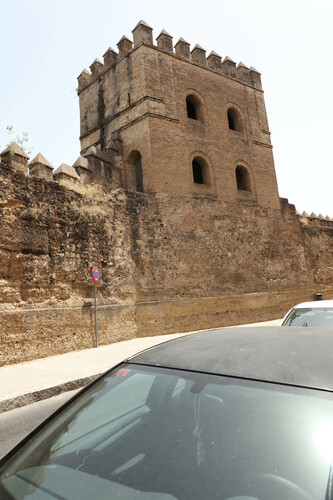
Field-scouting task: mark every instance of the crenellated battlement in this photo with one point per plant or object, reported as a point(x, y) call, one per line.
point(143, 35)
point(315, 220)
point(94, 167)
point(190, 121)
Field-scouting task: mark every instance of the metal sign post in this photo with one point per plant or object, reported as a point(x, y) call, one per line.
point(96, 277)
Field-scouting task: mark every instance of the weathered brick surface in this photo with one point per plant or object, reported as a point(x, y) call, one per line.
point(144, 99)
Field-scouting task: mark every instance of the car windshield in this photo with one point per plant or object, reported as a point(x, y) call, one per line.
point(310, 317)
point(157, 434)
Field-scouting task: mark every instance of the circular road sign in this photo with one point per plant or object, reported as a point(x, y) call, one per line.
point(95, 274)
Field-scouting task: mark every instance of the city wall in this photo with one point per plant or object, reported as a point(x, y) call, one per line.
point(168, 264)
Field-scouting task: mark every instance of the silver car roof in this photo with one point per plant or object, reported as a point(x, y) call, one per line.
point(316, 304)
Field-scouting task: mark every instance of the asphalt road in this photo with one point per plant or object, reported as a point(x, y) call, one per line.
point(16, 424)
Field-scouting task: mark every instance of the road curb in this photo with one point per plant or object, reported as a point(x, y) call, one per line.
point(33, 397)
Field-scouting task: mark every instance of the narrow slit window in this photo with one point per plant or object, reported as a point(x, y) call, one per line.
point(138, 176)
point(134, 172)
point(194, 108)
point(231, 122)
point(197, 172)
point(191, 113)
point(243, 179)
point(234, 120)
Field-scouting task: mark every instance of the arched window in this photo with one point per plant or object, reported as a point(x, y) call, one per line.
point(194, 108)
point(243, 179)
point(234, 120)
point(190, 108)
point(199, 171)
point(135, 178)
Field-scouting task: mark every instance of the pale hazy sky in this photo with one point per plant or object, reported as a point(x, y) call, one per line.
point(45, 44)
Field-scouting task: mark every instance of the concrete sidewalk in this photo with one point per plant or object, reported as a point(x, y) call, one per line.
point(26, 383)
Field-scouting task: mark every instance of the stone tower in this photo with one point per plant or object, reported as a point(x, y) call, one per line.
point(188, 124)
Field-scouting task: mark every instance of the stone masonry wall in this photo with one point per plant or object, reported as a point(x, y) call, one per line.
point(168, 264)
point(144, 101)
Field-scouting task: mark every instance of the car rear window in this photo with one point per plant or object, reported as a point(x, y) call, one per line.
point(322, 317)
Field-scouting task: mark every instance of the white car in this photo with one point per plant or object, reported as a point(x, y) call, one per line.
point(316, 313)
